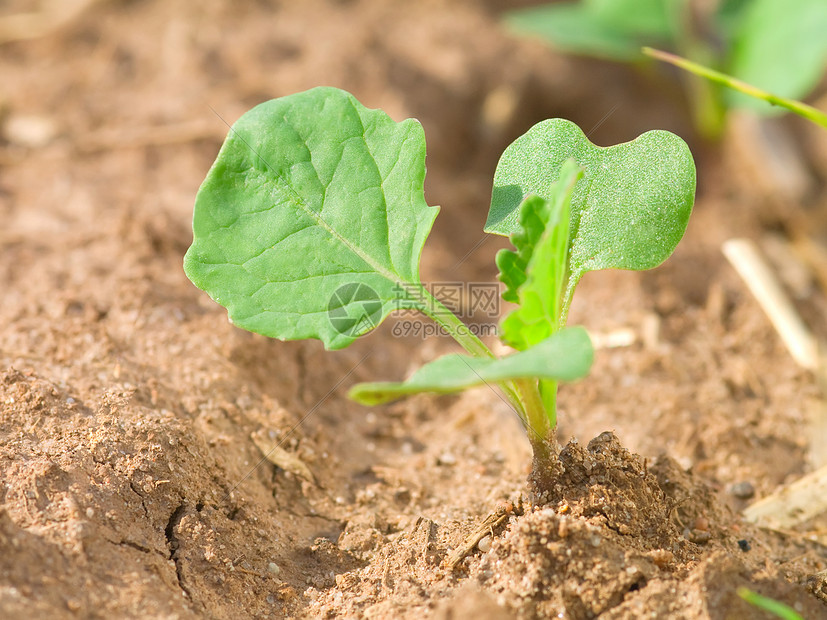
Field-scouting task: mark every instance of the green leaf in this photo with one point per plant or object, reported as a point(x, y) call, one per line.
point(780, 47)
point(652, 18)
point(573, 29)
point(613, 29)
point(630, 209)
point(728, 16)
point(312, 217)
point(538, 269)
point(565, 356)
point(770, 605)
point(535, 212)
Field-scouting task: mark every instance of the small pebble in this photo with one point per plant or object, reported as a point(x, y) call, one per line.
point(743, 490)
point(702, 524)
point(30, 131)
point(744, 545)
point(90, 512)
point(699, 537)
point(485, 544)
point(661, 557)
point(273, 568)
point(446, 458)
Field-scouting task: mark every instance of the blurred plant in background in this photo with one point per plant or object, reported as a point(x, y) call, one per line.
point(777, 45)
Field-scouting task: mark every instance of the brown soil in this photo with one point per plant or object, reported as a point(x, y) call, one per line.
point(134, 418)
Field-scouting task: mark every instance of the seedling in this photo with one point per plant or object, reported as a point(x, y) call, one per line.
point(770, 43)
point(311, 222)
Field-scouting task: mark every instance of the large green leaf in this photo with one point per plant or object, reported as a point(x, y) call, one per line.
point(537, 270)
point(312, 217)
point(781, 47)
point(728, 16)
point(614, 29)
point(641, 17)
point(565, 356)
point(630, 209)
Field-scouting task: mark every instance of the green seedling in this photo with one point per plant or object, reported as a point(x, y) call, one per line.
point(311, 222)
point(778, 46)
point(770, 605)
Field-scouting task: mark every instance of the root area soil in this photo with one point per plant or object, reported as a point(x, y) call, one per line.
point(157, 462)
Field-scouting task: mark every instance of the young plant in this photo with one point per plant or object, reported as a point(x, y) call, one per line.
point(311, 222)
point(774, 44)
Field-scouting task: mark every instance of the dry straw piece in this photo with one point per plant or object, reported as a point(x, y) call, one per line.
point(762, 283)
point(807, 497)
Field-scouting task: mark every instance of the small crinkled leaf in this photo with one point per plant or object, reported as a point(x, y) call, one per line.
point(311, 217)
point(534, 213)
point(614, 29)
point(781, 47)
point(565, 356)
point(630, 209)
point(538, 268)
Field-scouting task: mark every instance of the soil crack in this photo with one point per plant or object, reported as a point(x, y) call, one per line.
point(139, 547)
point(172, 541)
point(141, 496)
point(135, 545)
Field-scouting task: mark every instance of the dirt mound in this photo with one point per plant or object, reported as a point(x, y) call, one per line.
point(620, 540)
point(617, 539)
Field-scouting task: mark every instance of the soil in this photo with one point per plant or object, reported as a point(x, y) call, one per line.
point(134, 420)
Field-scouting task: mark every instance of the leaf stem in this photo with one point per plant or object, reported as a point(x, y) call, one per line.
point(459, 331)
point(802, 109)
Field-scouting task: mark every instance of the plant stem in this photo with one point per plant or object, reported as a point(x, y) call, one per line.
point(548, 393)
point(437, 312)
point(536, 417)
point(540, 434)
point(707, 109)
point(802, 109)
point(706, 103)
point(458, 330)
point(524, 394)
